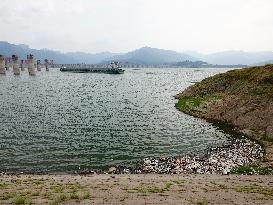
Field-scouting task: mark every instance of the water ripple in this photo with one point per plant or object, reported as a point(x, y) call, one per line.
point(61, 121)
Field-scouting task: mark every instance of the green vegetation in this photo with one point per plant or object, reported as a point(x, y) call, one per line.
point(7, 195)
point(21, 200)
point(3, 185)
point(249, 81)
point(151, 188)
point(179, 182)
point(74, 196)
point(241, 97)
point(57, 188)
point(195, 104)
point(257, 189)
point(252, 170)
point(86, 195)
point(61, 198)
point(50, 192)
point(202, 201)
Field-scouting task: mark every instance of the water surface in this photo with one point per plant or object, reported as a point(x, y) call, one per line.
point(65, 121)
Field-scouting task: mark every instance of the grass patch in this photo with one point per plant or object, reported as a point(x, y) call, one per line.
point(256, 189)
point(251, 170)
point(36, 193)
point(202, 201)
point(151, 189)
point(168, 185)
point(57, 188)
point(179, 182)
point(7, 195)
point(21, 200)
point(61, 198)
point(3, 185)
point(46, 195)
point(148, 189)
point(86, 195)
point(74, 196)
point(189, 104)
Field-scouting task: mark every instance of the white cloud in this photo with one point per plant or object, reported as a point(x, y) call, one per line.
point(122, 25)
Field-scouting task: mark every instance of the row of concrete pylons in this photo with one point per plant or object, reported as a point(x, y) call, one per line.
point(18, 66)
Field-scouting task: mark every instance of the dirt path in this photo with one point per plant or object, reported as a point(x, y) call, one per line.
point(136, 189)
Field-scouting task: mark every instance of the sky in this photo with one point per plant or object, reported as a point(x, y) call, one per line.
point(205, 26)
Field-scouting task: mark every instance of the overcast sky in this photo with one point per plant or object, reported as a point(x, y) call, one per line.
point(123, 25)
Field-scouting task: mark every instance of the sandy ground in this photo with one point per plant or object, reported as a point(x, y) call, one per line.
point(136, 189)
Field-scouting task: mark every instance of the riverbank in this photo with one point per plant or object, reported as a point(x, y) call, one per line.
point(242, 98)
point(135, 189)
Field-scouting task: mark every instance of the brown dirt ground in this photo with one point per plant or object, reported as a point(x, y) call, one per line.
point(136, 189)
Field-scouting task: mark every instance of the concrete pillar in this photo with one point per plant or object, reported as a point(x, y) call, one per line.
point(15, 65)
point(30, 66)
point(38, 65)
point(2, 65)
point(46, 65)
point(22, 65)
point(7, 63)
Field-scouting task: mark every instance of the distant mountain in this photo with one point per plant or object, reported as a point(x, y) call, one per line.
point(22, 51)
point(263, 63)
point(234, 57)
point(8, 49)
point(82, 57)
point(144, 56)
point(152, 56)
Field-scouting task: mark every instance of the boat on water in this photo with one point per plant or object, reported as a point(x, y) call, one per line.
point(113, 68)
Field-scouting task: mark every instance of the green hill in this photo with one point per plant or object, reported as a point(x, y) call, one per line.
point(243, 98)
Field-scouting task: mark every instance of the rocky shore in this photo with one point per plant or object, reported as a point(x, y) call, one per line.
point(217, 160)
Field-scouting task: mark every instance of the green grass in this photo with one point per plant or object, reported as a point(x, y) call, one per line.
point(24, 191)
point(191, 104)
point(255, 188)
point(168, 185)
point(57, 188)
point(151, 188)
point(61, 198)
point(3, 185)
point(74, 196)
point(36, 193)
point(86, 195)
point(7, 195)
point(255, 81)
point(250, 170)
point(21, 200)
point(179, 182)
point(202, 201)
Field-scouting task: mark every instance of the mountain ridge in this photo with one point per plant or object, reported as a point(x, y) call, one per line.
point(145, 56)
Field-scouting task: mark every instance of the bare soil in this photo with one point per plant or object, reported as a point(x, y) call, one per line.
point(136, 189)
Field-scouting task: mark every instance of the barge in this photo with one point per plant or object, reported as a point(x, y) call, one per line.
point(113, 68)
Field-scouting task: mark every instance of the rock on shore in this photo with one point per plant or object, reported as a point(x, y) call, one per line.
point(243, 98)
point(217, 160)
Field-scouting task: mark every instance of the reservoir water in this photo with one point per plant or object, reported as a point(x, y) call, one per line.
point(65, 121)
